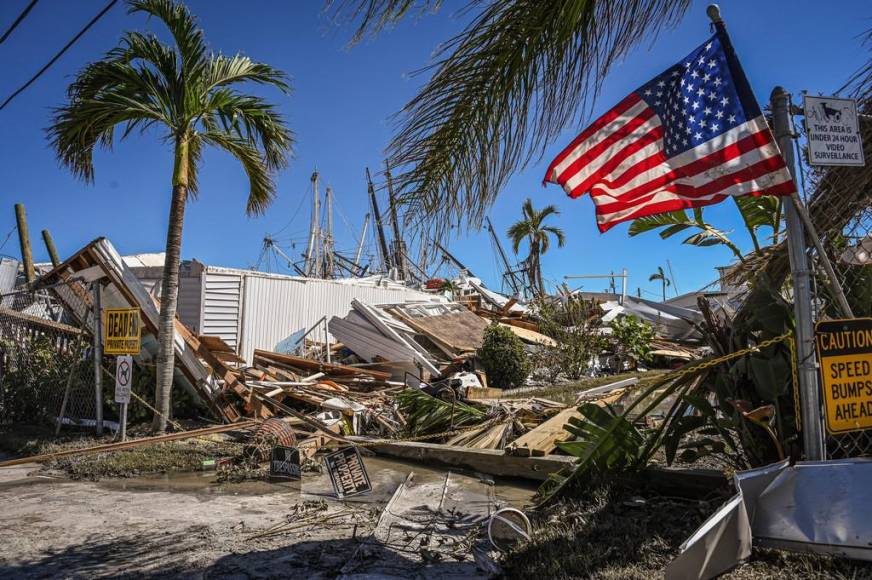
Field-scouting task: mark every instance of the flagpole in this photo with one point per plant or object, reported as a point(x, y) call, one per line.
point(810, 409)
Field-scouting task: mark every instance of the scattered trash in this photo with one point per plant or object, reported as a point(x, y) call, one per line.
point(508, 527)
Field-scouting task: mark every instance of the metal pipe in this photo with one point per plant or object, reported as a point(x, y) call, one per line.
point(362, 240)
point(812, 429)
point(98, 356)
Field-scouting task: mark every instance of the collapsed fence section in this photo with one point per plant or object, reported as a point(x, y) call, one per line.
point(47, 371)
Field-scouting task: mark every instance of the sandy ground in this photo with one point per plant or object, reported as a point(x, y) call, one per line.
point(186, 525)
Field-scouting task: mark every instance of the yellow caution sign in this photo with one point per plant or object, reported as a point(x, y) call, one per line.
point(122, 330)
point(844, 349)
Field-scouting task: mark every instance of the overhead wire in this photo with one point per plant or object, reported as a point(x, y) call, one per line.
point(18, 20)
point(55, 58)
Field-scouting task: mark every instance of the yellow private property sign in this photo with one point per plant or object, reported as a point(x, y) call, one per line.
point(844, 349)
point(121, 331)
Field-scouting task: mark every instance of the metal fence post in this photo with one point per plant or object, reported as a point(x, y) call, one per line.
point(98, 356)
point(812, 429)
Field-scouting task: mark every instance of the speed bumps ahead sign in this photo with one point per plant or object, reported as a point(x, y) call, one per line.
point(844, 349)
point(122, 330)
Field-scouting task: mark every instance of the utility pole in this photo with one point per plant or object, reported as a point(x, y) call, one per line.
point(328, 240)
point(383, 244)
point(50, 246)
point(812, 429)
point(510, 274)
point(24, 241)
point(98, 356)
point(399, 244)
point(362, 241)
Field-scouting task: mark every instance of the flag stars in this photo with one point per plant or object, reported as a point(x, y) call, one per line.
point(661, 84)
point(697, 135)
point(707, 111)
point(711, 63)
point(701, 61)
point(647, 92)
point(706, 77)
point(714, 127)
point(702, 123)
point(708, 46)
point(695, 105)
point(700, 92)
point(731, 119)
point(719, 114)
point(718, 81)
point(724, 101)
point(691, 120)
point(712, 95)
point(694, 75)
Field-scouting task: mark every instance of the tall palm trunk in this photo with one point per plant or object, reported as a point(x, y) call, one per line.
point(170, 287)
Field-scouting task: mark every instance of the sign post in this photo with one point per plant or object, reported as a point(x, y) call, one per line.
point(844, 348)
point(122, 332)
point(123, 381)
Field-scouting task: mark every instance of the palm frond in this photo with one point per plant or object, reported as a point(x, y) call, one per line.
point(502, 90)
point(182, 25)
point(223, 70)
point(254, 120)
point(373, 16)
point(427, 414)
point(260, 182)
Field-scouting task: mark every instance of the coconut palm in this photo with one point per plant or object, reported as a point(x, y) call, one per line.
point(192, 97)
point(538, 236)
point(664, 280)
point(520, 74)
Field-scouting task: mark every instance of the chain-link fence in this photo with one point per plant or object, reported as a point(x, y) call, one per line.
point(46, 356)
point(841, 210)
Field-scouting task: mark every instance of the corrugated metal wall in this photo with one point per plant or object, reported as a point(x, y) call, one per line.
point(222, 297)
point(275, 308)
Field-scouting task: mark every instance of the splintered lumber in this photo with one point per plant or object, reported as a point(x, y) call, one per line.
point(530, 336)
point(332, 369)
point(543, 439)
point(490, 461)
point(480, 393)
point(129, 444)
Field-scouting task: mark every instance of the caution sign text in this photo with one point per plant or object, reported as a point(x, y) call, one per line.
point(121, 331)
point(844, 349)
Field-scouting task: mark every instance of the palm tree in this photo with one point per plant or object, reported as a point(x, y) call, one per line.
point(499, 92)
point(664, 280)
point(190, 95)
point(531, 228)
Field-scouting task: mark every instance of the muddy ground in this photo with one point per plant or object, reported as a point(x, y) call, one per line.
point(188, 525)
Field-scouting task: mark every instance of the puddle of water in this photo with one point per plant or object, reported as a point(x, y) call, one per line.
point(385, 474)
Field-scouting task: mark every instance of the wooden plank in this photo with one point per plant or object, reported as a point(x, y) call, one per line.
point(490, 461)
point(530, 336)
point(543, 439)
point(318, 366)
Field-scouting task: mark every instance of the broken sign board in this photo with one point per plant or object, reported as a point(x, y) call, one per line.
point(844, 349)
point(122, 331)
point(285, 462)
point(833, 131)
point(347, 472)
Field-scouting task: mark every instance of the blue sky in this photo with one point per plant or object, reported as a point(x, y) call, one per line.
point(343, 98)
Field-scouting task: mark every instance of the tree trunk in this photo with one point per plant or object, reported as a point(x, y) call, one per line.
point(539, 282)
point(170, 289)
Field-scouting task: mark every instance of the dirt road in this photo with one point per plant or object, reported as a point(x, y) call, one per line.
point(188, 526)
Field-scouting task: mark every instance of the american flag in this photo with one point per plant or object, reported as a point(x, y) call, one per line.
point(690, 137)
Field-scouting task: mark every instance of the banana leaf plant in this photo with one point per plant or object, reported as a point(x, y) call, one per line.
point(757, 213)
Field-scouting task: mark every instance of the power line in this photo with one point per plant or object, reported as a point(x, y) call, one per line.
point(18, 20)
point(59, 54)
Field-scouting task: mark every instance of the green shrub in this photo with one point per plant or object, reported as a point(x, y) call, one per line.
point(503, 357)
